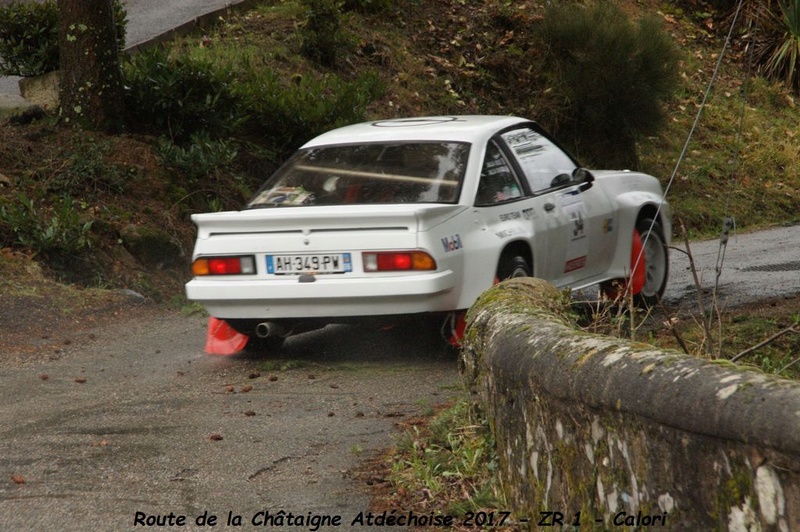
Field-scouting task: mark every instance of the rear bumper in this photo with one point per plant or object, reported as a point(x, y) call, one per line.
point(326, 297)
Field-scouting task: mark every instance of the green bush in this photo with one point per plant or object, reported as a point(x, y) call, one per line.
point(201, 158)
point(322, 32)
point(177, 96)
point(87, 170)
point(779, 46)
point(189, 99)
point(287, 115)
point(612, 75)
point(29, 37)
point(57, 233)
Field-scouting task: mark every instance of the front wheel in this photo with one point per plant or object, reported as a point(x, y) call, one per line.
point(656, 262)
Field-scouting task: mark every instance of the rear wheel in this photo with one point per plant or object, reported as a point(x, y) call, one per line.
point(656, 262)
point(512, 266)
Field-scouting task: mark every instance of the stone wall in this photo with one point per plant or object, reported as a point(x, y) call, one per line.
point(606, 432)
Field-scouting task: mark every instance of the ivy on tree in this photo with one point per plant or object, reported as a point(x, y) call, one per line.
point(90, 89)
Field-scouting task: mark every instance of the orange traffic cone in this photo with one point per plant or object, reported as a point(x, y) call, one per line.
point(222, 339)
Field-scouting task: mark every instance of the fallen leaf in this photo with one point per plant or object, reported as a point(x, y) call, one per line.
point(246, 388)
point(18, 479)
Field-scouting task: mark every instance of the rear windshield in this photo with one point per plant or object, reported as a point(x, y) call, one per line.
point(430, 172)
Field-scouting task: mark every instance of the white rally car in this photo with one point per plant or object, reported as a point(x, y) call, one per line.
point(418, 216)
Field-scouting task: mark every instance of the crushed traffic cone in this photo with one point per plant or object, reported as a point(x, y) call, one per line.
point(222, 339)
point(459, 326)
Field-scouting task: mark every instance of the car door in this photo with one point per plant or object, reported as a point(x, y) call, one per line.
point(570, 213)
point(508, 211)
point(587, 230)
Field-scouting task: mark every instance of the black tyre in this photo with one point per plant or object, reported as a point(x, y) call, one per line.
point(512, 266)
point(656, 257)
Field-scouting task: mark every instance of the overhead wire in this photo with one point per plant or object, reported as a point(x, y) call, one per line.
point(685, 149)
point(729, 222)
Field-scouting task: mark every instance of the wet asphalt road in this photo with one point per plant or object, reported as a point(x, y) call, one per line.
point(754, 266)
point(138, 419)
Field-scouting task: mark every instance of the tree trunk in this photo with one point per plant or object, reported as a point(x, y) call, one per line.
point(91, 82)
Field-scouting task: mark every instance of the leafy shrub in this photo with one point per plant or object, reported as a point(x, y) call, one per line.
point(289, 114)
point(202, 158)
point(192, 102)
point(29, 37)
point(57, 233)
point(612, 75)
point(177, 96)
point(322, 33)
point(87, 169)
point(778, 43)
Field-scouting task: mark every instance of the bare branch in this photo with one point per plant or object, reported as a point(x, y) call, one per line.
point(769, 340)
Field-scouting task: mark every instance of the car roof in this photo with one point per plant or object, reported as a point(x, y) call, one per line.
point(465, 128)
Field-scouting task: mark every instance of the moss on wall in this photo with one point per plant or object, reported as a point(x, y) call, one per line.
point(623, 433)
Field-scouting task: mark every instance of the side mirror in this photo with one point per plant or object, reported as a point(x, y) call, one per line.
point(560, 180)
point(583, 176)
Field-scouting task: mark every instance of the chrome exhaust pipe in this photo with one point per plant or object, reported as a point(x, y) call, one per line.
point(270, 329)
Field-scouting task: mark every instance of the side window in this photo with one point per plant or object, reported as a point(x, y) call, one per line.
point(541, 160)
point(498, 183)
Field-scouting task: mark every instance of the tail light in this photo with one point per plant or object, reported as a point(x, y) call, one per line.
point(392, 261)
point(224, 266)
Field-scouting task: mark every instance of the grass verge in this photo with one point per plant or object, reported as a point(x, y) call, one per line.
point(442, 464)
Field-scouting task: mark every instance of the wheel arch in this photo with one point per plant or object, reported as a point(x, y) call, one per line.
point(652, 212)
point(648, 211)
point(517, 247)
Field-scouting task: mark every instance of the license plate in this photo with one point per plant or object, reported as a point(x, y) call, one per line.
point(327, 263)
